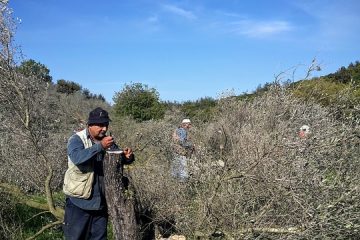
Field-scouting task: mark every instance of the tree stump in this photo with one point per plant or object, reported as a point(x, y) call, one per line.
point(121, 207)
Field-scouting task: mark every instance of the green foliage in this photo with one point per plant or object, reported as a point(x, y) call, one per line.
point(263, 88)
point(25, 220)
point(67, 87)
point(30, 227)
point(31, 68)
point(20, 221)
point(202, 109)
point(319, 90)
point(339, 91)
point(88, 95)
point(138, 101)
point(351, 74)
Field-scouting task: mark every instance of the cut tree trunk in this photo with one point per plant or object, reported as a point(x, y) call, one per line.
point(121, 205)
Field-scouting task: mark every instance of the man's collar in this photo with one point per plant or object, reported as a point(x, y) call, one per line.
point(88, 133)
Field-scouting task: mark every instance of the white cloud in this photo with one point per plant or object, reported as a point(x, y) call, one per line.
point(253, 28)
point(179, 11)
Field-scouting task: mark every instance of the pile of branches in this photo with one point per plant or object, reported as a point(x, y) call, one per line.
point(252, 175)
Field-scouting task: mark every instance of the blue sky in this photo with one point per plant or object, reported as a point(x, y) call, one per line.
point(186, 49)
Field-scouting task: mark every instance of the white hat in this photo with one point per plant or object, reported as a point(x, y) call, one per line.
point(305, 128)
point(186, 120)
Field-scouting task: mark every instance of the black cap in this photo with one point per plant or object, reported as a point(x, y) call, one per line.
point(98, 115)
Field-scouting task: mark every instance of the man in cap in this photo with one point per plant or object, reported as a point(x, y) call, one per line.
point(86, 214)
point(183, 148)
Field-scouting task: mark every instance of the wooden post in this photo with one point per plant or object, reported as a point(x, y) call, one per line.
point(121, 206)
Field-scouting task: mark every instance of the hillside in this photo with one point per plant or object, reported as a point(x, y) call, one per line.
point(339, 91)
point(252, 174)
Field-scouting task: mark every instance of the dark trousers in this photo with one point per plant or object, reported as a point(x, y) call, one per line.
point(80, 224)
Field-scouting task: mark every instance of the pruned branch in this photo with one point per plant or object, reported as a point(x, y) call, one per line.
point(44, 228)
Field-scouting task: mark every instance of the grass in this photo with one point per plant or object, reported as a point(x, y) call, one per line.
point(21, 221)
point(31, 220)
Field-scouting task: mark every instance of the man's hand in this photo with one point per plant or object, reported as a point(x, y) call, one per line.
point(128, 152)
point(106, 142)
point(127, 156)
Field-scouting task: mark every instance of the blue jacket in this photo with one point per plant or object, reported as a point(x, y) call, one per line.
point(80, 155)
point(184, 141)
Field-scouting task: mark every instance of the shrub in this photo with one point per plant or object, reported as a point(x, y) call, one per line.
point(138, 101)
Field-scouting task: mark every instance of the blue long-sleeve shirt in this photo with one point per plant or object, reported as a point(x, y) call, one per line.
point(183, 138)
point(80, 155)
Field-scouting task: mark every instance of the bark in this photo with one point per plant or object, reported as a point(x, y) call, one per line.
point(121, 206)
point(57, 212)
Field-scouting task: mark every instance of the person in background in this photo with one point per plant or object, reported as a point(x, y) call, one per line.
point(304, 132)
point(86, 214)
point(183, 149)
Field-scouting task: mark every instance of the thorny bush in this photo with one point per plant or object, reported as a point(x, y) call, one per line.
point(252, 175)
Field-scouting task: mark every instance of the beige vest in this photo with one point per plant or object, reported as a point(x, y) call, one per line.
point(78, 180)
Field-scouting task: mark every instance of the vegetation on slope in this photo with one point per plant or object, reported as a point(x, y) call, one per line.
point(251, 175)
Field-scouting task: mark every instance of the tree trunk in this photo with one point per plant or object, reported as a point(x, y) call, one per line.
point(121, 206)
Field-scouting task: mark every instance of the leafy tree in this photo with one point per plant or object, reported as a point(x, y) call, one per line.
point(346, 75)
point(31, 68)
point(138, 101)
point(201, 109)
point(355, 71)
point(67, 87)
point(101, 97)
point(263, 88)
point(88, 95)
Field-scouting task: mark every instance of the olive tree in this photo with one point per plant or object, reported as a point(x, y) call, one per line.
point(138, 101)
point(252, 175)
point(27, 122)
point(36, 122)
